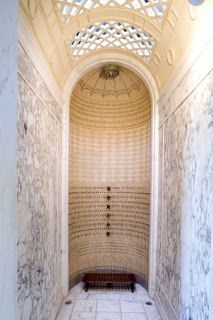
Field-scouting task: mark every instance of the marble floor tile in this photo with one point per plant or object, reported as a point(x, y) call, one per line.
point(143, 296)
point(135, 296)
point(132, 306)
point(151, 312)
point(108, 316)
point(85, 306)
point(134, 316)
point(65, 312)
point(108, 306)
point(109, 296)
point(78, 296)
point(83, 316)
point(93, 296)
point(105, 304)
point(82, 296)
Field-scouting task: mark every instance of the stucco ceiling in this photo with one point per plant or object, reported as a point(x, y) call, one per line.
point(119, 103)
point(123, 85)
point(152, 32)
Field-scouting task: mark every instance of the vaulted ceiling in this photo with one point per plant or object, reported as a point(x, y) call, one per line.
point(151, 31)
point(118, 103)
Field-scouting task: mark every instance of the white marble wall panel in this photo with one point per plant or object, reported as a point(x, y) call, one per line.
point(169, 102)
point(160, 203)
point(197, 204)
point(38, 170)
point(184, 272)
point(8, 110)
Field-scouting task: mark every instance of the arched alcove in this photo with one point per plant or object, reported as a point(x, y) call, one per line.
point(87, 64)
point(109, 173)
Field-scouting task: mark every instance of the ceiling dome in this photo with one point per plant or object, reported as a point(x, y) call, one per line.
point(110, 80)
point(110, 98)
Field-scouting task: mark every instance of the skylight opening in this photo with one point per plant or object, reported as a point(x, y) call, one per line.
point(88, 5)
point(112, 34)
point(154, 9)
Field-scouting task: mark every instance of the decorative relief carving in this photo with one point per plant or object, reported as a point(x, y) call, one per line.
point(172, 18)
point(158, 80)
point(153, 9)
point(33, 6)
point(122, 103)
point(170, 56)
point(108, 215)
point(156, 58)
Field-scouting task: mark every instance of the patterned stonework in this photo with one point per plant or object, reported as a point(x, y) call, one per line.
point(109, 147)
point(186, 206)
point(38, 171)
point(126, 248)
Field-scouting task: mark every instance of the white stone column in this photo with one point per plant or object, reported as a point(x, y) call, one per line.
point(8, 106)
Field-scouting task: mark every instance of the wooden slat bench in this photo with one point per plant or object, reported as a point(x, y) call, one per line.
point(109, 280)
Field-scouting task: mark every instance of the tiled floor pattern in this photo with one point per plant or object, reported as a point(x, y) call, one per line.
point(103, 304)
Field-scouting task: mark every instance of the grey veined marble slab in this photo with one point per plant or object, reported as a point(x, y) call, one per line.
point(94, 307)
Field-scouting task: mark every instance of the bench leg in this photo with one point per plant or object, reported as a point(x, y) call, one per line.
point(132, 286)
point(86, 286)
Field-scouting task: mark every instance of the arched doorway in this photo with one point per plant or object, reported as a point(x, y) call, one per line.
point(88, 64)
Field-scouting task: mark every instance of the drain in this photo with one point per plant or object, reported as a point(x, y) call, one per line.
point(149, 303)
point(68, 302)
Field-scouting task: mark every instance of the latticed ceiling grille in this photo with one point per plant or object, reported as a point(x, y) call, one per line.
point(112, 34)
point(152, 8)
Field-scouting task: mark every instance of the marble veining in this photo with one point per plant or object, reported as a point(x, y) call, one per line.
point(186, 209)
point(134, 316)
point(108, 306)
point(85, 306)
point(108, 316)
point(37, 84)
point(104, 304)
point(131, 306)
point(38, 203)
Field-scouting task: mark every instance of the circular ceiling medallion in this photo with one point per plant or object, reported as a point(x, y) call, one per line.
point(33, 6)
point(170, 57)
point(109, 71)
